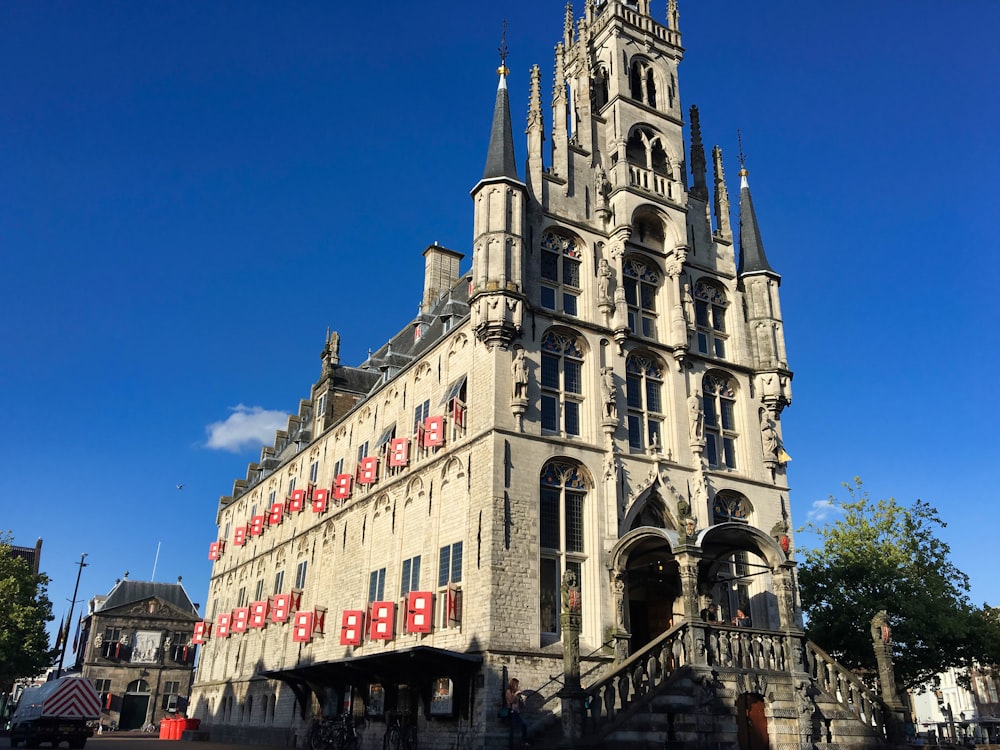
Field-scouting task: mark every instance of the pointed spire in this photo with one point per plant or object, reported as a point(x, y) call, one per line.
point(752, 258)
point(500, 161)
point(568, 25)
point(722, 220)
point(700, 188)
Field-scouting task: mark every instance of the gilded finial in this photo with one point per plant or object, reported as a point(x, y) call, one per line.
point(743, 168)
point(502, 49)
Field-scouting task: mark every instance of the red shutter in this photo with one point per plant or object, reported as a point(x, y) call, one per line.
point(241, 616)
point(215, 550)
point(240, 535)
point(433, 432)
point(202, 630)
point(399, 452)
point(297, 501)
point(258, 613)
point(319, 620)
point(277, 514)
point(302, 627)
point(342, 487)
point(222, 624)
point(281, 607)
point(352, 626)
point(458, 413)
point(368, 470)
point(257, 525)
point(319, 500)
point(382, 619)
point(454, 607)
point(418, 611)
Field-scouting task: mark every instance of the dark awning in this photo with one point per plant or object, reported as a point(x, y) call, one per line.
point(404, 665)
point(454, 389)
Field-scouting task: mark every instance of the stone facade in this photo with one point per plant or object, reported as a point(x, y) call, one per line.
point(136, 647)
point(601, 393)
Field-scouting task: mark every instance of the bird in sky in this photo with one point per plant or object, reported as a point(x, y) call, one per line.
point(180, 486)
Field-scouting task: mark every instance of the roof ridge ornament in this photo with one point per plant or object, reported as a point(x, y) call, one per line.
point(503, 70)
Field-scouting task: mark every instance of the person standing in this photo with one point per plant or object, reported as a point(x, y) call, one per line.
point(515, 702)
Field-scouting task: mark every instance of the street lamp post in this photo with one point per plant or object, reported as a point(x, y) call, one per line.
point(76, 588)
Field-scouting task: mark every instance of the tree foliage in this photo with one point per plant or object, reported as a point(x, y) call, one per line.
point(24, 610)
point(882, 555)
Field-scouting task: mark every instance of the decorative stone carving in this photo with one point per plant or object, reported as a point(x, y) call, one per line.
point(696, 417)
point(608, 393)
point(519, 376)
point(604, 274)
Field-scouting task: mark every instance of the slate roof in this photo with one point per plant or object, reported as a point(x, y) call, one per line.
point(500, 161)
point(128, 592)
point(752, 257)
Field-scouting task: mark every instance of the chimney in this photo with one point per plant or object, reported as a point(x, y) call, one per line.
point(440, 273)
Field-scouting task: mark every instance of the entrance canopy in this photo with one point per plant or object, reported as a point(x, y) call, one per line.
point(414, 666)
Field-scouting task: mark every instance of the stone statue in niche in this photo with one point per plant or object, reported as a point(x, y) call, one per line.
point(608, 392)
point(604, 282)
point(519, 375)
point(769, 437)
point(696, 416)
point(688, 303)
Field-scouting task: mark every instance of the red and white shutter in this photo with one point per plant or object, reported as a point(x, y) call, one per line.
point(418, 611)
point(433, 432)
point(319, 620)
point(276, 515)
point(342, 486)
point(257, 525)
point(320, 499)
point(240, 536)
point(382, 620)
point(241, 618)
point(399, 452)
point(368, 470)
point(202, 630)
point(302, 627)
point(215, 550)
point(222, 624)
point(352, 627)
point(258, 613)
point(280, 607)
point(297, 501)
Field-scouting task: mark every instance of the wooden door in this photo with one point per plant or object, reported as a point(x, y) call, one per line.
point(752, 722)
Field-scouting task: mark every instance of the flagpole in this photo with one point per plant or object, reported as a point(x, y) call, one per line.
point(62, 654)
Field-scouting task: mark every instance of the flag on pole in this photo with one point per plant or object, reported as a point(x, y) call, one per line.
point(76, 636)
point(61, 635)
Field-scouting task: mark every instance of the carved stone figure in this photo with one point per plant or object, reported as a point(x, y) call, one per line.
point(696, 416)
point(519, 374)
point(603, 282)
point(881, 632)
point(688, 302)
point(608, 392)
point(570, 593)
point(769, 437)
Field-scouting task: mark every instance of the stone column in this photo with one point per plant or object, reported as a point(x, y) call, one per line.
point(571, 694)
point(896, 713)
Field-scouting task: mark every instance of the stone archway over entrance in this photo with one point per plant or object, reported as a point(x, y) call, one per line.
point(647, 584)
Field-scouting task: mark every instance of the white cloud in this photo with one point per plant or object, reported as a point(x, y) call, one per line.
point(821, 510)
point(247, 426)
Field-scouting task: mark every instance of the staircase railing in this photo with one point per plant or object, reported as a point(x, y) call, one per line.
point(635, 677)
point(844, 687)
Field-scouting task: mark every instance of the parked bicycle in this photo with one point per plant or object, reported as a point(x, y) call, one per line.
point(334, 733)
point(399, 735)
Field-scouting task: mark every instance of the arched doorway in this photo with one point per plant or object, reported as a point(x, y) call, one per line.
point(649, 584)
point(135, 704)
point(751, 730)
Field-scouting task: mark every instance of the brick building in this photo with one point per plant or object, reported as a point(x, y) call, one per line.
point(137, 649)
point(600, 395)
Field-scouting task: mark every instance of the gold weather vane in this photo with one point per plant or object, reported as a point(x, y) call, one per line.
point(502, 49)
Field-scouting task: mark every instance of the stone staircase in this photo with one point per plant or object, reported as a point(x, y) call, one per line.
point(684, 690)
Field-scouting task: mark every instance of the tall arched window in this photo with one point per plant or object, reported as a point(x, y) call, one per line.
point(561, 383)
point(734, 593)
point(563, 489)
point(641, 281)
point(644, 393)
point(710, 305)
point(560, 273)
point(642, 84)
point(719, 395)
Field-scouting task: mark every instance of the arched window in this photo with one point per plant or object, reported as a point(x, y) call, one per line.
point(644, 393)
point(710, 305)
point(600, 88)
point(642, 85)
point(563, 489)
point(734, 593)
point(719, 397)
point(137, 686)
point(641, 281)
point(561, 383)
point(560, 273)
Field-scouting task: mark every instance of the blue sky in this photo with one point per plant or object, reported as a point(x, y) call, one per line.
point(192, 192)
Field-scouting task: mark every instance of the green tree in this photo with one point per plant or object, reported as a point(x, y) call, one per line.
point(24, 610)
point(882, 555)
